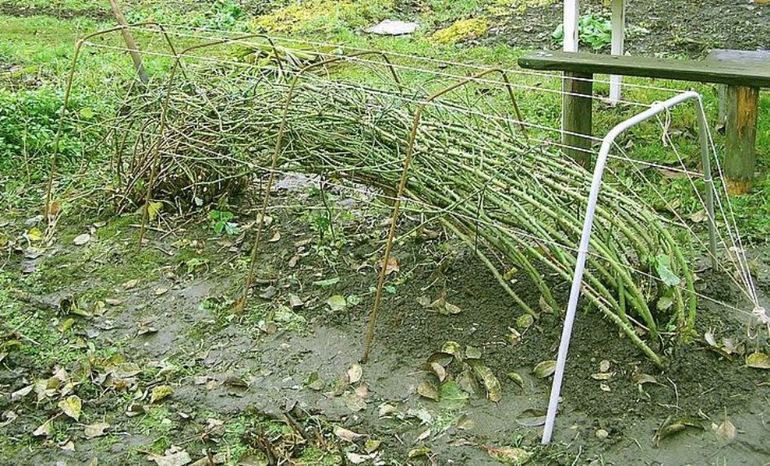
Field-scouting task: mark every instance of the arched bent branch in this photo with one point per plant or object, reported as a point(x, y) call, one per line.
point(164, 109)
point(369, 338)
point(68, 92)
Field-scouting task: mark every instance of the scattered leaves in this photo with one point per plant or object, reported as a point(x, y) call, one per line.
point(355, 373)
point(346, 435)
point(450, 309)
point(172, 457)
point(726, 430)
point(453, 348)
point(672, 426)
point(438, 370)
point(392, 266)
point(354, 402)
point(45, 429)
point(524, 321)
point(329, 282)
point(517, 379)
point(490, 382)
point(452, 396)
point(471, 352)
point(336, 303)
point(663, 267)
point(642, 379)
point(153, 209)
point(509, 455)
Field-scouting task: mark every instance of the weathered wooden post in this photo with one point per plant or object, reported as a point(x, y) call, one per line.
point(738, 109)
point(577, 116)
point(576, 109)
point(741, 104)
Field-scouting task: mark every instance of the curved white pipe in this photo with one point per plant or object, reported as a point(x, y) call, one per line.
point(593, 196)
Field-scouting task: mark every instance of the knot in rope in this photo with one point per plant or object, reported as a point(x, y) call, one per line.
point(761, 314)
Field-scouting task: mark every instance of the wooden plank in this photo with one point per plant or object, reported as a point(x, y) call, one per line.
point(618, 42)
point(571, 16)
point(740, 74)
point(577, 117)
point(740, 138)
point(751, 57)
point(756, 57)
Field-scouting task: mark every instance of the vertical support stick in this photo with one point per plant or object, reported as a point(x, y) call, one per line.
point(571, 15)
point(130, 42)
point(577, 116)
point(618, 41)
point(705, 151)
point(741, 135)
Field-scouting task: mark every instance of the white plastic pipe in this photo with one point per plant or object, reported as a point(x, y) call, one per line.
point(571, 15)
point(577, 280)
point(618, 42)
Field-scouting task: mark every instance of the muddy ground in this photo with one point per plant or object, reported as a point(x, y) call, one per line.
point(656, 27)
point(168, 373)
point(280, 379)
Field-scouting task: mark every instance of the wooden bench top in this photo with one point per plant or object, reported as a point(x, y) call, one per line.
point(753, 72)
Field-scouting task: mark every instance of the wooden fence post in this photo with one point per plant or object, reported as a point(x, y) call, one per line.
point(577, 116)
point(742, 105)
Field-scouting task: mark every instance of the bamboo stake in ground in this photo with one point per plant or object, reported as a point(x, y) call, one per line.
point(133, 49)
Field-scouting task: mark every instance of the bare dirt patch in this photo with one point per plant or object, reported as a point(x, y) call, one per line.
point(234, 377)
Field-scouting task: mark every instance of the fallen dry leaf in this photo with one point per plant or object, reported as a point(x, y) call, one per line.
point(44, 430)
point(544, 369)
point(428, 390)
point(95, 430)
point(355, 373)
point(160, 393)
point(726, 430)
point(509, 455)
point(758, 361)
point(71, 406)
point(172, 457)
point(392, 266)
point(346, 435)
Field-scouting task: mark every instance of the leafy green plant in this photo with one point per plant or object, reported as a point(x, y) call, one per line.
point(28, 122)
point(221, 222)
point(594, 31)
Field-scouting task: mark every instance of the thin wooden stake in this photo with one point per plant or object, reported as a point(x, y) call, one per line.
point(133, 49)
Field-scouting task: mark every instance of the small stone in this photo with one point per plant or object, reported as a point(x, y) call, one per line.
point(602, 434)
point(392, 28)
